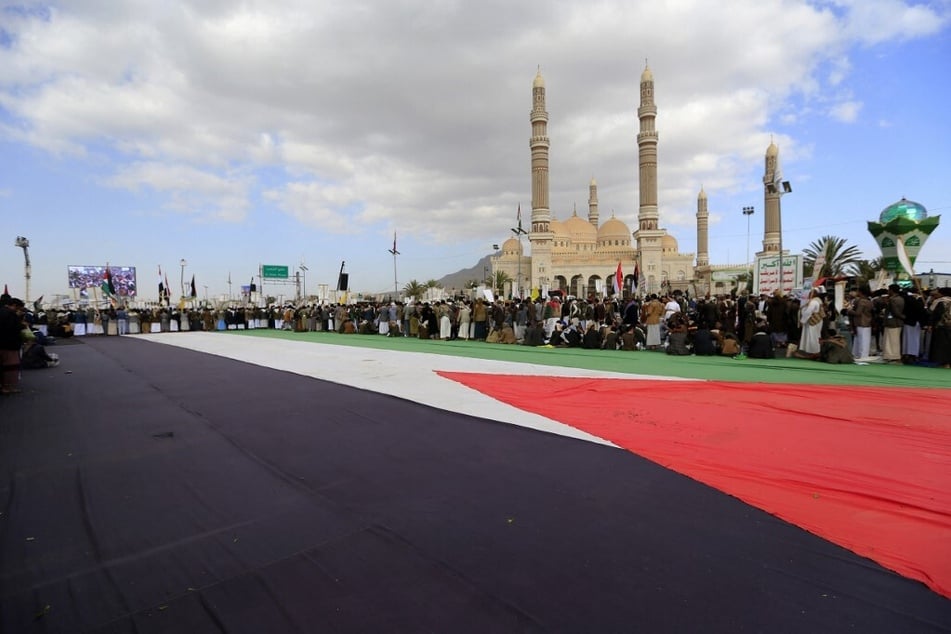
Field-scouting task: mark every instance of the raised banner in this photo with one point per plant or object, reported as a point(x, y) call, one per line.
point(766, 274)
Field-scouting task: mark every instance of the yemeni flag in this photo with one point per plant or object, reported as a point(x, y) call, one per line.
point(194, 292)
point(6, 291)
point(637, 275)
point(161, 286)
point(168, 294)
point(618, 280)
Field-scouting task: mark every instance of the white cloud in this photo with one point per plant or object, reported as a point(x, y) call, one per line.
point(846, 112)
point(883, 20)
point(200, 194)
point(416, 113)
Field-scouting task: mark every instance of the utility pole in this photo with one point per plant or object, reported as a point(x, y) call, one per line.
point(748, 212)
point(24, 244)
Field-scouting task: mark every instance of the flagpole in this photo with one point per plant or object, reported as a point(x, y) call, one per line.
point(396, 284)
point(519, 232)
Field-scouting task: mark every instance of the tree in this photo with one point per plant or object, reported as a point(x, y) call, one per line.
point(867, 269)
point(499, 280)
point(414, 289)
point(839, 257)
point(431, 286)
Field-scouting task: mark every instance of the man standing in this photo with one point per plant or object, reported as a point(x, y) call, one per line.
point(894, 306)
point(860, 315)
point(776, 311)
point(653, 311)
point(911, 326)
point(811, 318)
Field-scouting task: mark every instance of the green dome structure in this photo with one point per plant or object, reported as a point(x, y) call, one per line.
point(904, 208)
point(904, 224)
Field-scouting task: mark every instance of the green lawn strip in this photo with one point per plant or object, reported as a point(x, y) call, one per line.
point(642, 362)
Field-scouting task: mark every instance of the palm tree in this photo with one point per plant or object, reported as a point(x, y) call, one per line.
point(414, 289)
point(838, 257)
point(431, 286)
point(499, 280)
point(867, 269)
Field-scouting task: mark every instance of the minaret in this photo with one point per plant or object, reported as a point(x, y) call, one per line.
point(593, 203)
point(648, 235)
point(647, 154)
point(771, 192)
point(703, 254)
point(540, 236)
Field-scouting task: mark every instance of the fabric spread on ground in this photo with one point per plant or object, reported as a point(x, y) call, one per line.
point(867, 468)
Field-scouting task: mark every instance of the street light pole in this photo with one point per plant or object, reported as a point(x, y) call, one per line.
point(785, 188)
point(24, 244)
point(748, 212)
point(183, 264)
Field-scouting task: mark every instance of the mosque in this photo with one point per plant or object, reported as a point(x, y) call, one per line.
point(580, 255)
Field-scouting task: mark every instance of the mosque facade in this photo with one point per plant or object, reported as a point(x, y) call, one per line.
point(580, 255)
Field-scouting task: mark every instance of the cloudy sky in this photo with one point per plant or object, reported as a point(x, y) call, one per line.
point(233, 134)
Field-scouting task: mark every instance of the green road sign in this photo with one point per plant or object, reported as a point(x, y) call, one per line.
point(274, 271)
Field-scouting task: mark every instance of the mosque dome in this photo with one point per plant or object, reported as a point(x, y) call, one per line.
point(511, 247)
point(580, 230)
point(647, 75)
point(772, 150)
point(903, 209)
point(702, 195)
point(613, 230)
point(558, 228)
point(669, 244)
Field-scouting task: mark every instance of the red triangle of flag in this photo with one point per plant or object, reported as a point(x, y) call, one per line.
point(866, 468)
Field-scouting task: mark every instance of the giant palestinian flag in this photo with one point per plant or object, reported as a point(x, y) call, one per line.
point(278, 481)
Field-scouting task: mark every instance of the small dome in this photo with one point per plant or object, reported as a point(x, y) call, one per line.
point(539, 80)
point(580, 230)
point(669, 243)
point(558, 229)
point(702, 195)
point(647, 75)
point(614, 229)
point(511, 247)
point(772, 150)
point(903, 209)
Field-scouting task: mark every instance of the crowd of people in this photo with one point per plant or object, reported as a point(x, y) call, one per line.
point(892, 325)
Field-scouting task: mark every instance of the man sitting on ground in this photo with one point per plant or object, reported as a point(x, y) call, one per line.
point(761, 346)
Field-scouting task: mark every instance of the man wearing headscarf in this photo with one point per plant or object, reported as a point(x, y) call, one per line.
point(811, 326)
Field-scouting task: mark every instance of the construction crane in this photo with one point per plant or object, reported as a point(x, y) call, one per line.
point(24, 244)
